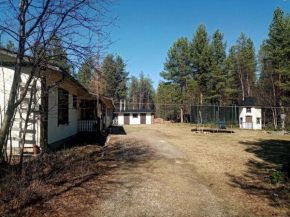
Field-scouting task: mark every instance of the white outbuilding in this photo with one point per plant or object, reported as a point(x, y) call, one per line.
point(250, 115)
point(135, 116)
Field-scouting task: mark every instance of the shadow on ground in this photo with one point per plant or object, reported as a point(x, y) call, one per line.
point(68, 182)
point(273, 154)
point(116, 130)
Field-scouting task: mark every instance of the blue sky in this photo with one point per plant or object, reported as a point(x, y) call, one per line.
point(147, 29)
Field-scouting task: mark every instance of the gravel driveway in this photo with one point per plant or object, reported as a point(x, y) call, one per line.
point(154, 179)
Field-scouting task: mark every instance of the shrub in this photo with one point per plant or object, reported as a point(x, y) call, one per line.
point(277, 176)
point(269, 127)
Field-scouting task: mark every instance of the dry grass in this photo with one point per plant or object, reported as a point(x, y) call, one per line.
point(236, 166)
point(46, 177)
point(69, 182)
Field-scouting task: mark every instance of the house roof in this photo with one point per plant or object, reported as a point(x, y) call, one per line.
point(249, 101)
point(10, 62)
point(108, 101)
point(136, 111)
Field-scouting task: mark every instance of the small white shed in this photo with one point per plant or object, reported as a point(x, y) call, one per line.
point(135, 117)
point(250, 115)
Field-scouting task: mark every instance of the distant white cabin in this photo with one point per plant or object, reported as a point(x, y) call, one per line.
point(135, 117)
point(250, 115)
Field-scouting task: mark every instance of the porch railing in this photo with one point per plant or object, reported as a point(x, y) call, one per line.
point(87, 125)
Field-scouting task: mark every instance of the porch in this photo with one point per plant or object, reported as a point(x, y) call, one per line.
point(95, 117)
point(87, 125)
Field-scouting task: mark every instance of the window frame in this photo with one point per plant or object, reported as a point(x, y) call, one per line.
point(258, 120)
point(63, 107)
point(75, 101)
point(135, 114)
point(248, 109)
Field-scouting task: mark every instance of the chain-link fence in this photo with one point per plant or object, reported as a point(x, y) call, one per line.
point(270, 118)
point(214, 115)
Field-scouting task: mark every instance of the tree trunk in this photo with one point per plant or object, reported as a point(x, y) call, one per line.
point(16, 79)
point(181, 115)
point(148, 99)
point(275, 121)
point(242, 83)
point(140, 99)
point(44, 114)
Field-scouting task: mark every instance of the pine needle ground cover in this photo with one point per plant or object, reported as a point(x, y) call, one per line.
point(238, 167)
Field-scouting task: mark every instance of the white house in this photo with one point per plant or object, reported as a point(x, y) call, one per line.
point(135, 116)
point(70, 107)
point(250, 115)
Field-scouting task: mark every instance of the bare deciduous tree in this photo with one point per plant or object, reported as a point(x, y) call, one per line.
point(32, 25)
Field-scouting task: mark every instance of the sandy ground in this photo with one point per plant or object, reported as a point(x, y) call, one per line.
point(167, 170)
point(164, 184)
point(232, 168)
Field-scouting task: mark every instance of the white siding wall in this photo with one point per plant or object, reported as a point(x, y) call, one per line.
point(148, 118)
point(33, 133)
point(255, 113)
point(134, 121)
point(120, 119)
point(258, 114)
point(58, 132)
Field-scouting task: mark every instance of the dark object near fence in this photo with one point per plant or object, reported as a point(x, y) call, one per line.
point(212, 131)
point(223, 126)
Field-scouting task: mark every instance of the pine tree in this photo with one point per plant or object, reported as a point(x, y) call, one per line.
point(115, 77)
point(177, 66)
point(133, 91)
point(148, 94)
point(245, 68)
point(232, 83)
point(274, 81)
point(201, 54)
point(57, 56)
point(86, 72)
point(277, 47)
point(217, 82)
point(141, 92)
point(167, 95)
point(11, 46)
point(266, 86)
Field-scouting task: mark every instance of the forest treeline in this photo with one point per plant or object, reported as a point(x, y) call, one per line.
point(200, 71)
point(114, 82)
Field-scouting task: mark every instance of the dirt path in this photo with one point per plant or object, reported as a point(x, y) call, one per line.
point(154, 179)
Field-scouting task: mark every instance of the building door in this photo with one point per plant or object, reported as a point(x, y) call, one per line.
point(249, 122)
point(143, 118)
point(127, 119)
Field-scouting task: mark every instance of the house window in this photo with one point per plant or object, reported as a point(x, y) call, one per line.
point(63, 106)
point(258, 120)
point(135, 115)
point(75, 102)
point(241, 120)
point(248, 109)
